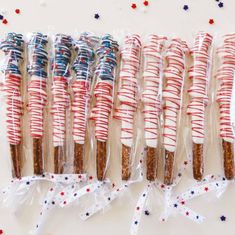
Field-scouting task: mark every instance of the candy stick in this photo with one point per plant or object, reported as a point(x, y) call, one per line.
point(82, 88)
point(151, 98)
point(172, 96)
point(199, 98)
point(37, 69)
point(61, 75)
point(225, 98)
point(13, 47)
point(103, 92)
point(127, 95)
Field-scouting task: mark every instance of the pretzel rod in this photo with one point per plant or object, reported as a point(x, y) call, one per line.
point(199, 98)
point(61, 75)
point(37, 69)
point(151, 98)
point(127, 95)
point(225, 98)
point(103, 92)
point(82, 88)
point(12, 47)
point(172, 96)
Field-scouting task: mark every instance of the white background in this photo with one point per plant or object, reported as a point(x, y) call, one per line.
point(162, 17)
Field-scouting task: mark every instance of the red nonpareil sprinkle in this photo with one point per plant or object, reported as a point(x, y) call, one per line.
point(1, 231)
point(211, 21)
point(133, 6)
point(90, 178)
point(88, 190)
point(146, 3)
point(17, 11)
point(4, 21)
point(62, 193)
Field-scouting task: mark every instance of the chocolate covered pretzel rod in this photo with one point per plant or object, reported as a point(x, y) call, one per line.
point(127, 95)
point(151, 98)
point(225, 98)
point(198, 92)
point(82, 93)
point(13, 47)
point(61, 75)
point(172, 96)
point(37, 69)
point(103, 92)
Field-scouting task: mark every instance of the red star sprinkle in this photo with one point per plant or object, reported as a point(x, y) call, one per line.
point(5, 21)
point(146, 3)
point(133, 6)
point(211, 21)
point(206, 189)
point(1, 231)
point(17, 11)
point(62, 193)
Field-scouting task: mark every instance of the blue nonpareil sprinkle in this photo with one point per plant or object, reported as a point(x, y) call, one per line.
point(1, 17)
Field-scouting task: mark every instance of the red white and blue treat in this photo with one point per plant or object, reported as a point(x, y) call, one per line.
point(37, 70)
point(225, 98)
point(83, 69)
point(172, 97)
point(103, 92)
point(127, 95)
point(61, 75)
point(152, 98)
point(13, 48)
point(198, 92)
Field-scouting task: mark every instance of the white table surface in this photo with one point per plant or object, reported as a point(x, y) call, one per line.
point(162, 17)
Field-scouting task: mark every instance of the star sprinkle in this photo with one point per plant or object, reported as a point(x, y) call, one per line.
point(146, 212)
point(97, 16)
point(17, 11)
point(133, 6)
point(4, 21)
point(185, 7)
point(221, 4)
point(223, 218)
point(146, 3)
point(211, 21)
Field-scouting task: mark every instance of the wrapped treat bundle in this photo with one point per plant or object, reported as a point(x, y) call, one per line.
point(198, 92)
point(37, 69)
point(61, 75)
point(127, 95)
point(151, 98)
point(103, 92)
point(82, 94)
point(225, 98)
point(13, 47)
point(172, 97)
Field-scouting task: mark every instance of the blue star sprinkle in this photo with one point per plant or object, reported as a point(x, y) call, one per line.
point(146, 212)
point(97, 16)
point(223, 218)
point(221, 5)
point(185, 7)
